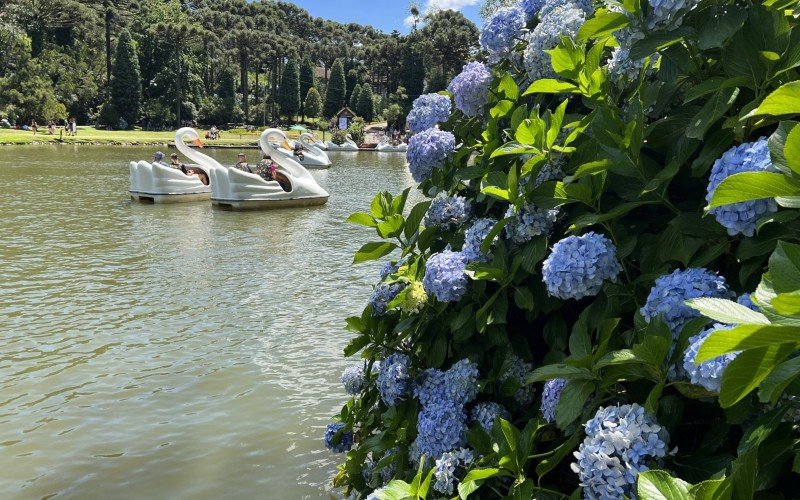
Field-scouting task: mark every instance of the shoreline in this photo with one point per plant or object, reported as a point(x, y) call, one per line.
point(89, 142)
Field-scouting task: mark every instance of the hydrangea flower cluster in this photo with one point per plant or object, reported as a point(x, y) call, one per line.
point(563, 20)
point(486, 413)
point(578, 266)
point(346, 442)
point(500, 32)
point(551, 171)
point(619, 441)
point(353, 379)
point(473, 239)
point(386, 473)
point(551, 393)
point(707, 374)
point(449, 467)
point(457, 386)
point(415, 298)
point(667, 297)
point(531, 7)
point(394, 381)
point(745, 300)
point(382, 295)
point(740, 218)
point(391, 268)
point(620, 66)
point(427, 150)
point(444, 276)
point(519, 371)
point(428, 110)
point(587, 6)
point(470, 88)
point(529, 222)
point(668, 13)
point(447, 211)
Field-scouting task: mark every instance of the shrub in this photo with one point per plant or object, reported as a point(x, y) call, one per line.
point(596, 202)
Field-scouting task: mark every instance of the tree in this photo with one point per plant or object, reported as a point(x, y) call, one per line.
point(452, 38)
point(307, 79)
point(436, 81)
point(289, 91)
point(337, 89)
point(354, 97)
point(227, 93)
point(412, 74)
point(126, 83)
point(352, 81)
point(313, 103)
point(366, 106)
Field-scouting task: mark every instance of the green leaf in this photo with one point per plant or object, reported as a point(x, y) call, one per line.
point(356, 345)
point(787, 304)
point(363, 219)
point(524, 299)
point(747, 370)
point(415, 218)
point(514, 148)
point(726, 311)
point(501, 109)
point(615, 213)
point(711, 111)
point(564, 450)
point(792, 149)
point(559, 370)
point(784, 266)
point(720, 22)
point(508, 87)
point(777, 144)
point(496, 192)
point(761, 430)
point(776, 382)
point(744, 337)
point(621, 357)
point(373, 251)
point(602, 25)
point(659, 485)
point(706, 490)
point(573, 398)
point(748, 186)
point(657, 41)
point(714, 84)
point(782, 102)
point(550, 86)
point(391, 227)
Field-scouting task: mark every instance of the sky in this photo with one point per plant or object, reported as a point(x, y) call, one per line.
point(386, 15)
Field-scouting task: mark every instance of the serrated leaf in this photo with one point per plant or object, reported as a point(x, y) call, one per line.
point(727, 311)
point(550, 86)
point(748, 186)
point(659, 485)
point(363, 219)
point(373, 251)
point(782, 102)
point(747, 370)
point(602, 25)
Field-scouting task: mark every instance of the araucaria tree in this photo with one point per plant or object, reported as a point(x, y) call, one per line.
point(599, 298)
point(365, 105)
point(336, 91)
point(289, 91)
point(126, 84)
point(354, 97)
point(313, 103)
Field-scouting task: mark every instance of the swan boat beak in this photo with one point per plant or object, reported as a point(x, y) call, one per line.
point(198, 143)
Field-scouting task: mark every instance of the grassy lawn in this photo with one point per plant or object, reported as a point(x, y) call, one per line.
point(90, 135)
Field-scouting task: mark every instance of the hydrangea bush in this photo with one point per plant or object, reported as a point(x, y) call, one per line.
point(559, 317)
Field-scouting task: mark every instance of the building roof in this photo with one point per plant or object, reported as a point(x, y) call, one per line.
point(345, 111)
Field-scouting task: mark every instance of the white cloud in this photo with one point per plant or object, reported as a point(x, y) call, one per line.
point(434, 5)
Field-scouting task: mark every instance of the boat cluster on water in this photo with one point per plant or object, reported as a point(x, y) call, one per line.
point(206, 179)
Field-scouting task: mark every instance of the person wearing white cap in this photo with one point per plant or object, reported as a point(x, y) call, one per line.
point(158, 157)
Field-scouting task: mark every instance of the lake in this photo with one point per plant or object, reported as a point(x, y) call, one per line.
point(172, 351)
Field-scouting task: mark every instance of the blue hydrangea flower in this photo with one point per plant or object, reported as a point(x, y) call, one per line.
point(382, 295)
point(457, 386)
point(667, 297)
point(391, 268)
point(740, 218)
point(394, 381)
point(707, 374)
point(449, 468)
point(668, 13)
point(346, 442)
point(444, 276)
point(486, 413)
point(563, 20)
point(500, 32)
point(429, 388)
point(745, 300)
point(353, 379)
point(386, 473)
point(551, 171)
point(620, 66)
point(578, 266)
point(519, 371)
point(529, 222)
point(531, 7)
point(473, 239)
point(587, 6)
point(619, 441)
point(428, 110)
point(427, 150)
point(447, 212)
point(470, 88)
point(551, 393)
point(441, 427)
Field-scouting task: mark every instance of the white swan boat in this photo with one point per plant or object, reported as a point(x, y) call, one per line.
point(312, 156)
point(235, 189)
point(386, 146)
point(157, 183)
point(347, 145)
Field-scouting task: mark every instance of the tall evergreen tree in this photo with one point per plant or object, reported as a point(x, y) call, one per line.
point(289, 91)
point(227, 92)
point(307, 79)
point(412, 74)
point(313, 103)
point(353, 102)
point(126, 84)
point(436, 81)
point(366, 106)
point(352, 81)
point(337, 89)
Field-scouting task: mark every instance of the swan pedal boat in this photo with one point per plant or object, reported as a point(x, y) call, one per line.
point(313, 156)
point(347, 145)
point(156, 183)
point(235, 189)
point(386, 146)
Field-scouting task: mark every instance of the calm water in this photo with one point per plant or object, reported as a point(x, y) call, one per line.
point(171, 351)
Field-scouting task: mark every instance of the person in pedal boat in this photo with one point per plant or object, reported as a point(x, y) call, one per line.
point(241, 163)
point(158, 157)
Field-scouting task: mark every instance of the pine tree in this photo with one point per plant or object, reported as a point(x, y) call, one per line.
point(227, 92)
point(307, 80)
point(289, 91)
point(354, 97)
point(337, 89)
point(412, 73)
point(352, 81)
point(436, 81)
point(313, 103)
point(126, 84)
point(366, 106)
